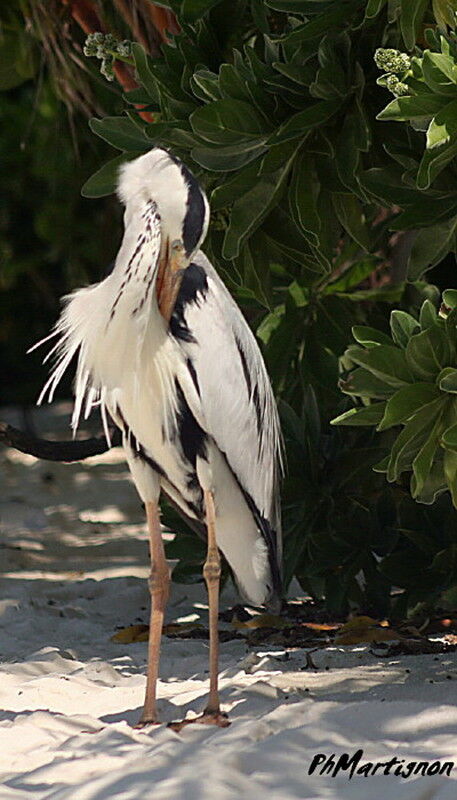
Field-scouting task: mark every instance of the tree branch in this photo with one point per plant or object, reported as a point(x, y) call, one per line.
point(73, 450)
point(163, 20)
point(127, 10)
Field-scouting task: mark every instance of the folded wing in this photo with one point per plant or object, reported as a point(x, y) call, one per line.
point(235, 402)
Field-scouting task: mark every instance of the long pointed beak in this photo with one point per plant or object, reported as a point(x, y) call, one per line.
point(172, 263)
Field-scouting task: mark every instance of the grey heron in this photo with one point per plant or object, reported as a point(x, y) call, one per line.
point(164, 351)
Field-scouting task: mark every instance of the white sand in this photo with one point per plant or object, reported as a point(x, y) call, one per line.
point(73, 570)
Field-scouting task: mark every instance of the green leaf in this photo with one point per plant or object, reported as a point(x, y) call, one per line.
point(329, 232)
point(255, 278)
point(143, 72)
point(259, 13)
point(444, 14)
point(299, 124)
point(448, 380)
point(385, 294)
point(175, 101)
point(269, 323)
point(285, 235)
point(385, 362)
point(302, 74)
point(277, 157)
point(121, 132)
point(361, 383)
point(331, 79)
point(137, 97)
point(348, 148)
point(445, 562)
point(299, 295)
point(350, 213)
point(449, 438)
point(382, 465)
point(294, 6)
point(159, 132)
point(370, 336)
point(404, 109)
point(412, 438)
point(450, 325)
point(303, 195)
point(333, 319)
point(282, 345)
point(252, 207)
point(241, 182)
point(353, 276)
point(373, 8)
point(412, 14)
point(433, 162)
point(443, 127)
point(370, 415)
point(193, 10)
point(404, 403)
point(403, 571)
point(231, 157)
point(318, 27)
point(424, 543)
point(403, 326)
point(232, 84)
point(434, 485)
point(428, 352)
point(423, 461)
point(440, 72)
point(450, 298)
point(386, 185)
point(280, 84)
point(450, 471)
point(247, 214)
point(105, 180)
point(428, 316)
point(205, 85)
point(227, 122)
point(362, 126)
point(430, 246)
point(425, 211)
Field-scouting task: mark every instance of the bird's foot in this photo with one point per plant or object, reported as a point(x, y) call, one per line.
point(218, 718)
point(146, 720)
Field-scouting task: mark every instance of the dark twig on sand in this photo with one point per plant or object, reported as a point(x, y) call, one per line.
point(73, 450)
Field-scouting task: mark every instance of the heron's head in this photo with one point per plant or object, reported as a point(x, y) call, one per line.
point(181, 202)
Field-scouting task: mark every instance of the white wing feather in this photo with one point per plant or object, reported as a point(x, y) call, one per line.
point(238, 409)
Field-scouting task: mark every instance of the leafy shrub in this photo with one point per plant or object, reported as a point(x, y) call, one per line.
point(413, 377)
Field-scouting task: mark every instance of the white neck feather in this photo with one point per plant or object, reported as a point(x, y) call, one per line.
point(155, 176)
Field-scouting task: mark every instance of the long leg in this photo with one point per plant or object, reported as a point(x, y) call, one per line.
point(212, 714)
point(212, 574)
point(159, 588)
